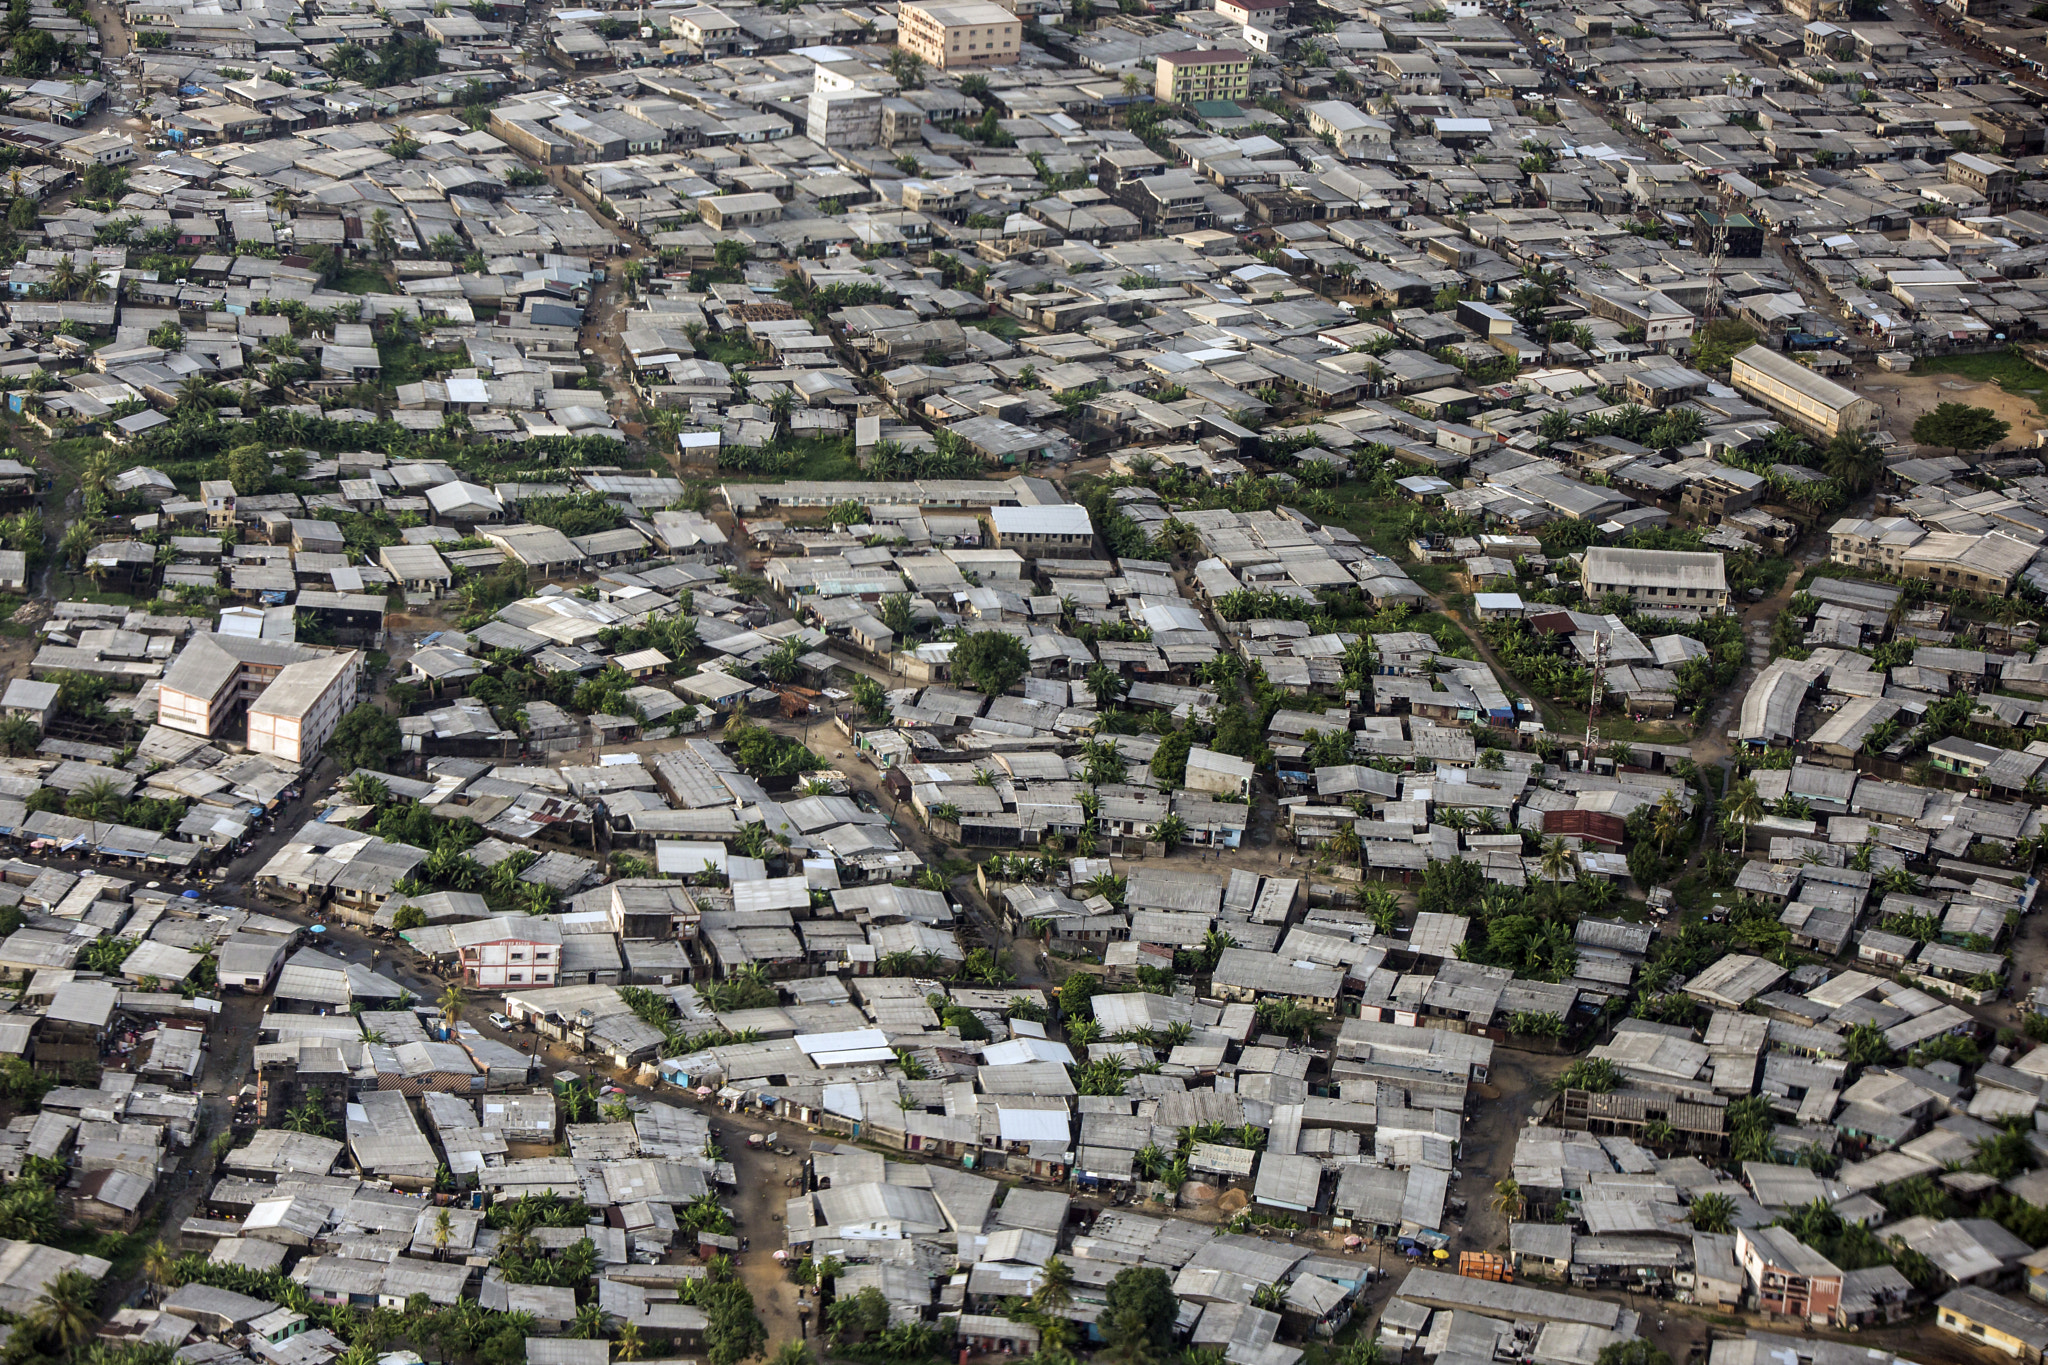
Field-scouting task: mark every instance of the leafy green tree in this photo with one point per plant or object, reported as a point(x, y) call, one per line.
point(1170, 760)
point(966, 1022)
point(1865, 1046)
point(1075, 993)
point(858, 1316)
point(1960, 427)
point(1719, 342)
point(1633, 1352)
point(1139, 1313)
point(248, 469)
point(2004, 1154)
point(992, 660)
point(367, 737)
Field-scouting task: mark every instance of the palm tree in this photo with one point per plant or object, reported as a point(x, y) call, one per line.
point(1713, 1213)
point(1171, 831)
point(1055, 1276)
point(381, 236)
point(1744, 806)
point(64, 1314)
point(780, 406)
point(99, 799)
point(787, 660)
point(1508, 1200)
point(1558, 859)
point(1133, 85)
point(589, 1323)
point(452, 1001)
point(1106, 685)
point(195, 391)
point(627, 1347)
point(156, 1267)
point(65, 277)
point(367, 790)
point(1853, 461)
point(444, 1229)
point(309, 1116)
point(1669, 819)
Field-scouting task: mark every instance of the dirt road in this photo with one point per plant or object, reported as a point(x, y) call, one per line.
point(113, 33)
point(1517, 1085)
point(1711, 746)
point(603, 318)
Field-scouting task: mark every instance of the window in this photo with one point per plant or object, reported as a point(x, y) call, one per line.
point(519, 976)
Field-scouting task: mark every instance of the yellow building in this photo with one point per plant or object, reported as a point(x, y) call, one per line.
point(2013, 1326)
point(1210, 73)
point(972, 33)
point(1816, 405)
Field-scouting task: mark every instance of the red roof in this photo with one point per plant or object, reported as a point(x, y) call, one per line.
point(1596, 826)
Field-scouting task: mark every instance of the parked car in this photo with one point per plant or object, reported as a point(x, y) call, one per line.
point(499, 1021)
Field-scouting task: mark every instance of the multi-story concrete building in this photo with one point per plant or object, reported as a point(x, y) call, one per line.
point(1989, 563)
point(1262, 13)
point(1820, 407)
point(706, 29)
point(1873, 542)
point(726, 211)
point(1212, 73)
point(839, 118)
point(971, 33)
point(1690, 582)
point(1787, 1276)
point(299, 710)
point(218, 679)
point(1169, 202)
point(507, 952)
point(1996, 181)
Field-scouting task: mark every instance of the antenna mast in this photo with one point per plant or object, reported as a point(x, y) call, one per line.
point(1599, 687)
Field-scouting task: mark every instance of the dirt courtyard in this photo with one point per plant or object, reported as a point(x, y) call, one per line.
point(1905, 397)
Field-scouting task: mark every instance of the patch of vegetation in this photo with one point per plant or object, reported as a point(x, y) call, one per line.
point(363, 279)
point(2008, 369)
point(408, 362)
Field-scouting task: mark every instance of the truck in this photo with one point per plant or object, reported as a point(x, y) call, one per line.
point(1484, 1265)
